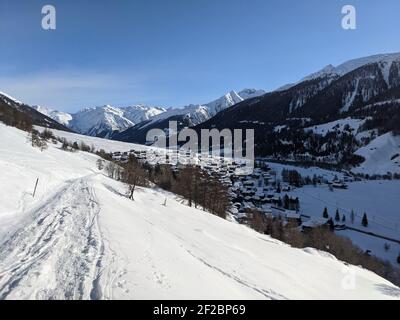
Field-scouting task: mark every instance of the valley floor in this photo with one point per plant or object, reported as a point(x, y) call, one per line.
point(378, 199)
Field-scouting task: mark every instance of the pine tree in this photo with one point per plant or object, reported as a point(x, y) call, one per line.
point(331, 224)
point(325, 214)
point(297, 204)
point(286, 202)
point(344, 218)
point(314, 180)
point(398, 259)
point(364, 221)
point(337, 215)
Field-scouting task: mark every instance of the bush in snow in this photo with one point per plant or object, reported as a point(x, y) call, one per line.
point(100, 164)
point(37, 141)
point(47, 135)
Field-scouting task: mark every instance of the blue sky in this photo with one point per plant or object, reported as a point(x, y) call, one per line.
point(177, 52)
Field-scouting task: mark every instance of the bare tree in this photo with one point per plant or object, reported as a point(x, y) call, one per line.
point(111, 169)
point(100, 164)
point(134, 175)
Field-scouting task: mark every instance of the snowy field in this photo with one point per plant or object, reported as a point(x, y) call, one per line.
point(81, 238)
point(338, 125)
point(382, 155)
point(328, 175)
point(98, 143)
point(379, 199)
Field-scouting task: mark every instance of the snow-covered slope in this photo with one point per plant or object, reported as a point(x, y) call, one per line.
point(382, 155)
point(100, 121)
point(385, 59)
point(331, 72)
point(202, 112)
point(250, 93)
point(338, 125)
point(10, 97)
point(60, 117)
point(107, 120)
point(14, 111)
point(81, 238)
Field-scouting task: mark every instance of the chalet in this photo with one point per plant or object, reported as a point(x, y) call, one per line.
point(339, 185)
point(276, 200)
point(260, 194)
point(248, 183)
point(237, 205)
point(116, 156)
point(256, 175)
point(266, 200)
point(293, 217)
point(234, 211)
point(267, 210)
point(315, 223)
point(241, 217)
point(278, 212)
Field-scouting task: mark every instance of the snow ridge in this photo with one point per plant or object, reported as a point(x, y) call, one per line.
point(202, 112)
point(59, 116)
point(331, 72)
point(65, 222)
point(107, 120)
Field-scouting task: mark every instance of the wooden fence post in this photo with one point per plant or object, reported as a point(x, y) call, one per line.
point(34, 191)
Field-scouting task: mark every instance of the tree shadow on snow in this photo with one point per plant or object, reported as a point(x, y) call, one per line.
point(388, 290)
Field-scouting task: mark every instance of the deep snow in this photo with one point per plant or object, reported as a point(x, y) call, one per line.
point(377, 199)
point(382, 155)
point(81, 238)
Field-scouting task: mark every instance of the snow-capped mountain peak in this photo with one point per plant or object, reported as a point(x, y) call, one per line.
point(351, 65)
point(198, 113)
point(10, 98)
point(250, 93)
point(385, 62)
point(105, 121)
point(329, 70)
point(61, 117)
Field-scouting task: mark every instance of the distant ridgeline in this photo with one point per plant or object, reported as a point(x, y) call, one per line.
point(22, 116)
point(366, 89)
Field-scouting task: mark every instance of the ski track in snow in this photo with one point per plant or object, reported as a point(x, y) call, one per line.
point(83, 239)
point(265, 293)
point(58, 255)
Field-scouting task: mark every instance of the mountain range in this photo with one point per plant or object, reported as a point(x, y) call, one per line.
point(108, 121)
point(365, 91)
point(325, 95)
point(19, 114)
